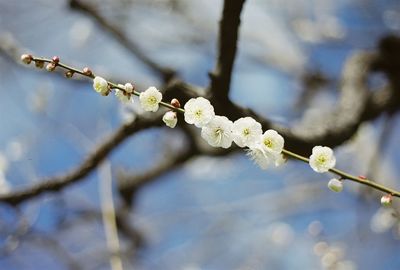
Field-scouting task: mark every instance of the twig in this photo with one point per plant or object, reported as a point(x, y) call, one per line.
point(348, 176)
point(93, 160)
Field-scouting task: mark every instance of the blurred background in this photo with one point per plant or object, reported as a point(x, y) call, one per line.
point(210, 212)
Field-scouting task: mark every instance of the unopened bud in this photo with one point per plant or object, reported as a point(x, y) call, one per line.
point(335, 185)
point(129, 87)
point(39, 64)
point(386, 200)
point(87, 71)
point(69, 74)
point(26, 58)
point(50, 66)
point(55, 59)
point(175, 103)
point(170, 119)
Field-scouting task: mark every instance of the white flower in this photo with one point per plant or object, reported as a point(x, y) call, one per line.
point(322, 159)
point(122, 96)
point(150, 99)
point(335, 185)
point(170, 119)
point(246, 131)
point(272, 142)
point(280, 160)
point(198, 111)
point(259, 156)
point(128, 88)
point(100, 85)
point(218, 132)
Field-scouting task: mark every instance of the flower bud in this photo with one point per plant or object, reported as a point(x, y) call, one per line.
point(129, 87)
point(69, 74)
point(87, 71)
point(175, 103)
point(26, 58)
point(386, 200)
point(170, 119)
point(50, 66)
point(39, 64)
point(55, 59)
point(335, 185)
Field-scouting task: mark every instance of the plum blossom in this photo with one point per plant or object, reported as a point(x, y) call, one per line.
point(246, 131)
point(259, 156)
point(322, 159)
point(198, 111)
point(218, 132)
point(150, 99)
point(272, 141)
point(100, 85)
point(122, 95)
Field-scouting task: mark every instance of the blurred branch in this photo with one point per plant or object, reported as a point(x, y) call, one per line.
point(85, 168)
point(131, 46)
point(128, 185)
point(227, 44)
point(109, 217)
point(356, 105)
point(54, 246)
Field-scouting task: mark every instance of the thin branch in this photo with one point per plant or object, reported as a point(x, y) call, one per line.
point(228, 37)
point(347, 176)
point(94, 160)
point(131, 46)
point(84, 169)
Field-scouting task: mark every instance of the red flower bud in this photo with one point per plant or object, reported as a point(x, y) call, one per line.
point(55, 59)
point(175, 103)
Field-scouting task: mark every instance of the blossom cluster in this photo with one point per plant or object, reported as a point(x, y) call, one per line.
point(264, 148)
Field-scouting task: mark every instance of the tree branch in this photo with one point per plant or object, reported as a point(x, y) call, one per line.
point(165, 73)
point(228, 36)
point(85, 168)
point(356, 105)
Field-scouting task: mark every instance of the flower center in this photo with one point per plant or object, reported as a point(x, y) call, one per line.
point(268, 143)
point(152, 100)
point(321, 159)
point(246, 131)
point(198, 113)
point(218, 132)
